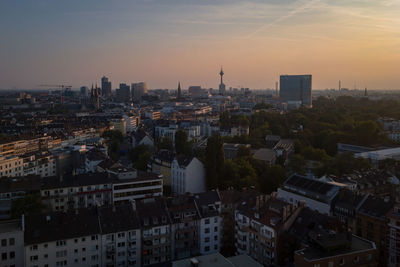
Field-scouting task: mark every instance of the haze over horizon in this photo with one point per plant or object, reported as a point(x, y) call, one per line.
point(166, 41)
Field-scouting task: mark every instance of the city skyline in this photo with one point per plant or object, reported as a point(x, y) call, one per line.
point(162, 42)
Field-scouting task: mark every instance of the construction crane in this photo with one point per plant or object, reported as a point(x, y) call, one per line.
point(62, 86)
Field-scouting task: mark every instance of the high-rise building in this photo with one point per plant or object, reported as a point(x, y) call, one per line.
point(138, 90)
point(296, 88)
point(123, 93)
point(105, 86)
point(221, 85)
point(84, 91)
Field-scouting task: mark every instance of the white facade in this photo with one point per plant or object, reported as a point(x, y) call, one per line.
point(121, 249)
point(79, 251)
point(124, 191)
point(296, 199)
point(131, 123)
point(12, 243)
point(190, 178)
point(210, 234)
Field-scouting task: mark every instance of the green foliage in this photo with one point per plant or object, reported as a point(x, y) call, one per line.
point(164, 143)
point(182, 145)
point(114, 138)
point(214, 161)
point(140, 156)
point(243, 152)
point(262, 106)
point(28, 205)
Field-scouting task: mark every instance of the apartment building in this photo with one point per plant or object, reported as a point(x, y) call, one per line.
point(120, 235)
point(41, 163)
point(11, 166)
point(161, 163)
point(328, 248)
point(371, 223)
point(156, 231)
point(209, 208)
point(63, 239)
point(12, 243)
point(80, 191)
point(132, 184)
point(259, 226)
point(184, 226)
point(393, 236)
point(316, 195)
point(188, 175)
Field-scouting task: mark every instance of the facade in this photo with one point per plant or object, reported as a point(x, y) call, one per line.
point(11, 166)
point(131, 123)
point(138, 91)
point(217, 260)
point(42, 164)
point(134, 185)
point(123, 94)
point(161, 163)
point(259, 225)
point(209, 207)
point(105, 87)
point(120, 236)
point(372, 224)
point(315, 194)
point(296, 88)
point(12, 243)
point(156, 231)
point(184, 226)
point(393, 237)
point(188, 176)
point(119, 124)
point(108, 236)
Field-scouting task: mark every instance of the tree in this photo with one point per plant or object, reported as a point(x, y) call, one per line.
point(28, 205)
point(214, 161)
point(140, 156)
point(243, 152)
point(272, 178)
point(164, 143)
point(182, 145)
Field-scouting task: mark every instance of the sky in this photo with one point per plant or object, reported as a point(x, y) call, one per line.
point(76, 42)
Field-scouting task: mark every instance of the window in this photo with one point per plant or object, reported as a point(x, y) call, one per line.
point(330, 264)
point(207, 221)
point(369, 257)
point(215, 237)
point(207, 230)
point(34, 247)
point(60, 254)
point(215, 220)
point(216, 229)
point(61, 243)
point(4, 242)
point(207, 239)
point(12, 255)
point(45, 245)
point(83, 239)
point(34, 258)
point(342, 262)
point(83, 249)
point(4, 256)
point(11, 241)
point(356, 259)
point(317, 265)
point(207, 248)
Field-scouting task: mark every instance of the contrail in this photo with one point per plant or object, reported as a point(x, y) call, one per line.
point(307, 5)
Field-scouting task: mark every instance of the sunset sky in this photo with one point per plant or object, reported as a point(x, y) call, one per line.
point(166, 41)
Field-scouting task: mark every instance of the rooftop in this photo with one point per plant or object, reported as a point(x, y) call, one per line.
point(217, 260)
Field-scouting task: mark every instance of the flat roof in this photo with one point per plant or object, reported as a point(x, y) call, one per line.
point(357, 245)
point(217, 260)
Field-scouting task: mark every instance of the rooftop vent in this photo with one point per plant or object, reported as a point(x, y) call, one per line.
point(194, 262)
